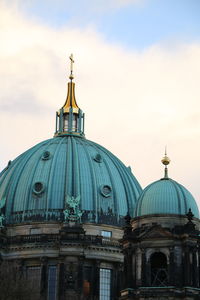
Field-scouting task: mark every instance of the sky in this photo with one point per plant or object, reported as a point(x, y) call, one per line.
point(137, 73)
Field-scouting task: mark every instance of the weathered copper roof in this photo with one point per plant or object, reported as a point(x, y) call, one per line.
point(36, 184)
point(166, 196)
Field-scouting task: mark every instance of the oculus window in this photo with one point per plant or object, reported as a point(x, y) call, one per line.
point(46, 155)
point(98, 158)
point(38, 188)
point(106, 190)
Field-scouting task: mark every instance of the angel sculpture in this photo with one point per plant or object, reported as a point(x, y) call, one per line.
point(72, 211)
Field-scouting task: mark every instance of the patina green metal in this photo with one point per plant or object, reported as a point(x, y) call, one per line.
point(166, 196)
point(71, 169)
point(72, 212)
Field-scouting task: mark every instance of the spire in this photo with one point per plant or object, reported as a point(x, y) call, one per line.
point(71, 71)
point(71, 100)
point(70, 118)
point(166, 160)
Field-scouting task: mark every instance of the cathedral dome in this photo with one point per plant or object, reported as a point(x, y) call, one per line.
point(36, 185)
point(166, 196)
point(68, 173)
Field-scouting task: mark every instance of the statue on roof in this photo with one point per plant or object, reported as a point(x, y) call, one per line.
point(72, 212)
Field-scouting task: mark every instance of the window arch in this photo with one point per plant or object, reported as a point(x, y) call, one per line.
point(159, 269)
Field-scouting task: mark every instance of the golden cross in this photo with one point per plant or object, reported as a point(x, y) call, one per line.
point(71, 66)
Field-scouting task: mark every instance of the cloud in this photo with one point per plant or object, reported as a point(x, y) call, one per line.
point(135, 102)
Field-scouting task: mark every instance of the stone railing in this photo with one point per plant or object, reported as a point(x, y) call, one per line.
point(62, 239)
point(57, 215)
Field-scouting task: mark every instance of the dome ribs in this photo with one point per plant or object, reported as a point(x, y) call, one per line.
point(93, 184)
point(55, 197)
point(68, 166)
point(165, 197)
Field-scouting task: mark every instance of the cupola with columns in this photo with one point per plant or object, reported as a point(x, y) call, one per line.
point(70, 118)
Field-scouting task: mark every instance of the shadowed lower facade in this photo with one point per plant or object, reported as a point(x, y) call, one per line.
point(161, 244)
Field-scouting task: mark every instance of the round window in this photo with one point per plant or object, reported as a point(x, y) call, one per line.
point(98, 158)
point(46, 155)
point(106, 190)
point(38, 188)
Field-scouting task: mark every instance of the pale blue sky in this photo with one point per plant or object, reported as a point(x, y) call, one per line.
point(134, 25)
point(137, 71)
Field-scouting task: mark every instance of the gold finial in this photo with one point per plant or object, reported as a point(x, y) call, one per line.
point(71, 67)
point(166, 160)
point(71, 100)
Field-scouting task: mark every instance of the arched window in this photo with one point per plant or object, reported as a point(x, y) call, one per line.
point(159, 270)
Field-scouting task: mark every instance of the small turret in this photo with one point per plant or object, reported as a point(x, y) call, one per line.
point(70, 118)
point(166, 161)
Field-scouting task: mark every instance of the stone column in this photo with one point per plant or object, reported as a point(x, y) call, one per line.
point(186, 267)
point(195, 269)
point(176, 268)
point(133, 263)
point(95, 283)
point(125, 272)
point(191, 267)
point(62, 281)
point(80, 274)
point(143, 268)
point(44, 277)
point(172, 267)
point(138, 267)
point(129, 268)
point(120, 276)
point(148, 272)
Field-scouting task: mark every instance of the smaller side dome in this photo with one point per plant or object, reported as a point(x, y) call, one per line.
point(166, 196)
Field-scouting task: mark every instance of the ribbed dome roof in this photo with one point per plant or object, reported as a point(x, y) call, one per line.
point(166, 196)
point(36, 184)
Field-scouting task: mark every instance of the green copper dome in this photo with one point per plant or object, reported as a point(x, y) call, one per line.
point(165, 196)
point(67, 178)
point(36, 185)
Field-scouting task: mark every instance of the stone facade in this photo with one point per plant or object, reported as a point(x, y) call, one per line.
point(66, 258)
point(161, 258)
